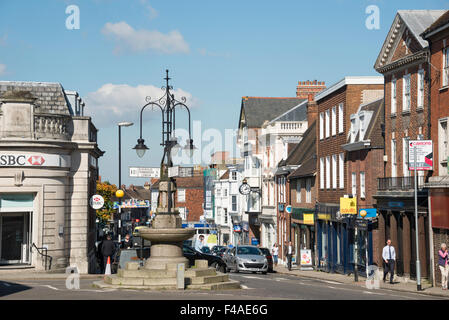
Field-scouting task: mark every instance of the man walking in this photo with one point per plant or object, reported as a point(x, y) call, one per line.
point(289, 255)
point(389, 257)
point(107, 249)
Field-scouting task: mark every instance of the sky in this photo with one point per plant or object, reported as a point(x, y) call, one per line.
point(216, 53)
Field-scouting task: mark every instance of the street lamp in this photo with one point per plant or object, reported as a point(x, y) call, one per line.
point(167, 104)
point(120, 125)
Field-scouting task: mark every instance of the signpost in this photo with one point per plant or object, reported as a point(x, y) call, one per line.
point(349, 206)
point(422, 161)
point(142, 172)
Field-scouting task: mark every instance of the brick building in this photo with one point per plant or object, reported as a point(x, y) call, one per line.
point(403, 63)
point(189, 197)
point(364, 158)
point(437, 36)
point(334, 234)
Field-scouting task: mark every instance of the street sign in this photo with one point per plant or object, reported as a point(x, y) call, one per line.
point(424, 155)
point(185, 172)
point(173, 172)
point(142, 172)
point(96, 202)
point(288, 209)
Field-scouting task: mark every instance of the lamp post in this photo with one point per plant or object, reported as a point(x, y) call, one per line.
point(120, 125)
point(167, 104)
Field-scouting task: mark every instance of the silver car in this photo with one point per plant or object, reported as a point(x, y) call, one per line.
point(246, 258)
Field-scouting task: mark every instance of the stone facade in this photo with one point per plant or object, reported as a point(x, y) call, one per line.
point(56, 166)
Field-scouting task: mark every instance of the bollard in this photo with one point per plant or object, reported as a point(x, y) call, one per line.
point(180, 276)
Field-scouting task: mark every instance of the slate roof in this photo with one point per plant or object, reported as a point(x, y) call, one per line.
point(441, 21)
point(50, 97)
point(305, 154)
point(257, 110)
point(419, 20)
point(137, 192)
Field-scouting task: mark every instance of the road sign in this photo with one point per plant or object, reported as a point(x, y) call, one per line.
point(424, 155)
point(141, 172)
point(96, 202)
point(173, 171)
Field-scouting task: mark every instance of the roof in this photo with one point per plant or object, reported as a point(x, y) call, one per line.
point(350, 80)
point(195, 182)
point(297, 113)
point(443, 20)
point(50, 97)
point(225, 175)
point(305, 149)
point(305, 154)
point(419, 20)
point(257, 110)
point(137, 192)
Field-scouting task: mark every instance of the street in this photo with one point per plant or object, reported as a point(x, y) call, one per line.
point(254, 287)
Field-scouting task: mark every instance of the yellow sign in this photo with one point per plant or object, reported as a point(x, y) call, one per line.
point(308, 218)
point(348, 205)
point(212, 238)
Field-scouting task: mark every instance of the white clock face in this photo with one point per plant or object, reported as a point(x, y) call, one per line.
point(245, 189)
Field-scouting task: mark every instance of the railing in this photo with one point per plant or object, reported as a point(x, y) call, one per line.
point(399, 183)
point(44, 255)
point(51, 126)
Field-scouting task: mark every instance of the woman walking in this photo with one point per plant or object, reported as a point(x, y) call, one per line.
point(275, 253)
point(443, 264)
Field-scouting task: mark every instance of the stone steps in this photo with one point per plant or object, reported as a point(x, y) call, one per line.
point(102, 285)
point(209, 279)
point(144, 273)
point(192, 272)
point(228, 285)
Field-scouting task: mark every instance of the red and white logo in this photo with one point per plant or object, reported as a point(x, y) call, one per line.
point(36, 160)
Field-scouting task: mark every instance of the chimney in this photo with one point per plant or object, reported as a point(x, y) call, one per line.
point(306, 88)
point(312, 112)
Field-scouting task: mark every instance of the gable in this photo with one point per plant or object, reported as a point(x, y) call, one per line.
point(407, 45)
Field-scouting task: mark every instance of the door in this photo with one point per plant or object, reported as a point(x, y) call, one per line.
point(14, 238)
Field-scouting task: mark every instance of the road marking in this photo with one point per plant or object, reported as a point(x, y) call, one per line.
point(51, 287)
point(330, 282)
point(253, 277)
point(244, 287)
point(372, 292)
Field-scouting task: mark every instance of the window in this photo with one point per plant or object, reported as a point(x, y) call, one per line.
point(362, 128)
point(234, 203)
point(308, 190)
point(298, 191)
point(327, 123)
point(354, 184)
point(321, 125)
point(218, 192)
point(321, 173)
point(393, 96)
point(225, 216)
point(393, 158)
point(334, 121)
point(341, 165)
point(181, 195)
point(445, 72)
point(420, 100)
point(340, 118)
point(225, 192)
point(406, 93)
point(328, 172)
point(362, 185)
point(334, 171)
point(442, 146)
point(234, 175)
point(405, 170)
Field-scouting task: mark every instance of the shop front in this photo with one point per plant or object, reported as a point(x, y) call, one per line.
point(303, 226)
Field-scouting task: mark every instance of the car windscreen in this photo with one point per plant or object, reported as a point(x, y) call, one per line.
point(265, 251)
point(248, 250)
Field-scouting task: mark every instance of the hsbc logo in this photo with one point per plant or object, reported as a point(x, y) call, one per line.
point(36, 160)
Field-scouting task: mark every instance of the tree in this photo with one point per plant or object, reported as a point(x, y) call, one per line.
point(107, 191)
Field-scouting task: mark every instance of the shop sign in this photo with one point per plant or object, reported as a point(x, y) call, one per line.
point(288, 209)
point(361, 224)
point(12, 159)
point(424, 155)
point(306, 258)
point(237, 228)
point(96, 202)
point(308, 218)
point(348, 205)
point(396, 204)
point(369, 213)
point(132, 203)
point(245, 226)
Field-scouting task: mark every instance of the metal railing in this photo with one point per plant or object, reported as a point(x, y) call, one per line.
point(44, 255)
point(399, 183)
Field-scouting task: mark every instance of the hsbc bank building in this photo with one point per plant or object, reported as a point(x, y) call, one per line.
point(48, 171)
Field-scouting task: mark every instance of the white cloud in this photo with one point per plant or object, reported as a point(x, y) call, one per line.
point(113, 103)
point(2, 69)
point(145, 40)
point(151, 12)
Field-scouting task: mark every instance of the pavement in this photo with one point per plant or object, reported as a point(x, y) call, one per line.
point(409, 286)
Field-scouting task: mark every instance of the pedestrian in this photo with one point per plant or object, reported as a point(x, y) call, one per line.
point(275, 253)
point(443, 264)
point(389, 257)
point(107, 250)
point(290, 251)
point(199, 244)
point(127, 242)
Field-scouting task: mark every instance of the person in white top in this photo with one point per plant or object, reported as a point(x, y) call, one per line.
point(275, 253)
point(389, 257)
point(289, 255)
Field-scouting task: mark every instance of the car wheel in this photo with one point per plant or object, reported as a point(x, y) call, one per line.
point(221, 268)
point(264, 272)
point(254, 271)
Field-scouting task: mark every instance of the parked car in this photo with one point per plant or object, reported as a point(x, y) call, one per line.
point(269, 257)
point(213, 261)
point(206, 249)
point(216, 249)
point(246, 258)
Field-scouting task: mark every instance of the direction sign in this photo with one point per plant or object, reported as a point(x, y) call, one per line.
point(141, 172)
point(424, 155)
point(173, 171)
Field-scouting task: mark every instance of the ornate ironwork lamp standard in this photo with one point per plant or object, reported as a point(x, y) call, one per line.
point(166, 233)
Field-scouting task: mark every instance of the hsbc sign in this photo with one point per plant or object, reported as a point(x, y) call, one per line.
point(33, 160)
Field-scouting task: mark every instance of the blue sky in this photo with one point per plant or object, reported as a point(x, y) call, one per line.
point(217, 52)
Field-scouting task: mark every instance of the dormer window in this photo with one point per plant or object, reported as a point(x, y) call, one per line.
point(362, 128)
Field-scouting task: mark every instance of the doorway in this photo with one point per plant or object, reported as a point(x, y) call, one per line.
point(15, 231)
